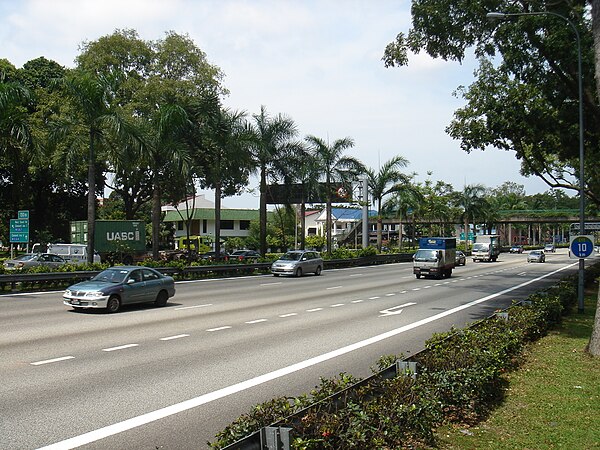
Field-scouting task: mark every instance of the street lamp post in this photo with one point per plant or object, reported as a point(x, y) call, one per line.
point(507, 16)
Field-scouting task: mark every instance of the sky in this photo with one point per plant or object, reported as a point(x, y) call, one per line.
point(315, 61)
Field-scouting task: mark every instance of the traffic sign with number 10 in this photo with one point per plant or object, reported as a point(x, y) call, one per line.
point(581, 246)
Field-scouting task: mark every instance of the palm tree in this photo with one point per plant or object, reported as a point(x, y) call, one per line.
point(403, 200)
point(272, 136)
point(333, 167)
point(472, 202)
point(92, 99)
point(389, 179)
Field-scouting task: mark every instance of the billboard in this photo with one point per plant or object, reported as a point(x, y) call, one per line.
point(296, 193)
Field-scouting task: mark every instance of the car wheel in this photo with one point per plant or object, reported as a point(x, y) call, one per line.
point(275, 274)
point(298, 272)
point(418, 275)
point(318, 271)
point(113, 304)
point(161, 298)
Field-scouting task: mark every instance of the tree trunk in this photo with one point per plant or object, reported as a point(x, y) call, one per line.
point(263, 211)
point(594, 344)
point(91, 203)
point(218, 220)
point(156, 218)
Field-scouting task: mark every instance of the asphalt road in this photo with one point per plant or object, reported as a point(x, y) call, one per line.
point(170, 378)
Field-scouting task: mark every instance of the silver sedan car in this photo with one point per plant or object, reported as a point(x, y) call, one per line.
point(33, 260)
point(297, 263)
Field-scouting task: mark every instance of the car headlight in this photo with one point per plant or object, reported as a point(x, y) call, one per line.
point(67, 292)
point(94, 294)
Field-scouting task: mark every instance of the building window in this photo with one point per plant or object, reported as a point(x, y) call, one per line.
point(180, 225)
point(244, 224)
point(204, 226)
point(226, 224)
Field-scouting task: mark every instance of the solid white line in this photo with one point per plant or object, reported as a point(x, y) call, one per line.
point(256, 321)
point(190, 307)
point(288, 315)
point(48, 361)
point(314, 309)
point(153, 416)
point(218, 328)
point(169, 338)
point(120, 347)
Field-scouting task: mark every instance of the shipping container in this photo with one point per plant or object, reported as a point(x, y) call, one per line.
point(112, 235)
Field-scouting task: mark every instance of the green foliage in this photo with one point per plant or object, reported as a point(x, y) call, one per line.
point(315, 242)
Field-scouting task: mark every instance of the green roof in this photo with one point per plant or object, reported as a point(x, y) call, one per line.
point(209, 214)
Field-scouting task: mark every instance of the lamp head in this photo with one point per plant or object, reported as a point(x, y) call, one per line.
point(496, 16)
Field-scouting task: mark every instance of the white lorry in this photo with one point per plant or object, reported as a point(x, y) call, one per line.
point(486, 247)
point(74, 253)
point(436, 257)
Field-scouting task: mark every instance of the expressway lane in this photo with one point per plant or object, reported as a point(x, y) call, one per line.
point(222, 333)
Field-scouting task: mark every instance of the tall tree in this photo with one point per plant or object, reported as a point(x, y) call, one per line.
point(93, 109)
point(402, 203)
point(333, 166)
point(527, 100)
point(387, 180)
point(272, 140)
point(471, 200)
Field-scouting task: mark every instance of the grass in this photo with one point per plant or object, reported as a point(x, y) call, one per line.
point(552, 400)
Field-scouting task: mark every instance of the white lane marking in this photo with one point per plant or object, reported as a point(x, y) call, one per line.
point(373, 298)
point(49, 361)
point(391, 294)
point(170, 338)
point(394, 310)
point(256, 321)
point(333, 287)
point(120, 347)
point(271, 284)
point(416, 289)
point(288, 315)
point(522, 274)
point(134, 422)
point(355, 275)
point(191, 307)
point(219, 328)
point(337, 305)
point(427, 287)
point(357, 301)
point(314, 309)
point(403, 292)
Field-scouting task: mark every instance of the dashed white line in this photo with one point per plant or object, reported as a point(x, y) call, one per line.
point(271, 284)
point(357, 301)
point(170, 338)
point(314, 309)
point(256, 321)
point(333, 287)
point(416, 289)
point(49, 361)
point(391, 294)
point(219, 328)
point(191, 307)
point(373, 298)
point(120, 347)
point(356, 275)
point(337, 305)
point(288, 315)
point(427, 287)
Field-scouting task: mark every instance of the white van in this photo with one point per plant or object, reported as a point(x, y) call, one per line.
point(74, 253)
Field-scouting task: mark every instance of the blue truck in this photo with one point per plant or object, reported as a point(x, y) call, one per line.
point(436, 257)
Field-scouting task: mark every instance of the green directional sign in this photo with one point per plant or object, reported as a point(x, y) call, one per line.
point(19, 230)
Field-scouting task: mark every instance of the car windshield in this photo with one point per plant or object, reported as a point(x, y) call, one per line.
point(111, 275)
point(480, 247)
point(26, 258)
point(426, 255)
point(291, 256)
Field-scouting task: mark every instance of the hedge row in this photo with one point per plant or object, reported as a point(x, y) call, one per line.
point(461, 377)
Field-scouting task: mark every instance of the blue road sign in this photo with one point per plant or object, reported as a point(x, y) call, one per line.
point(581, 246)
